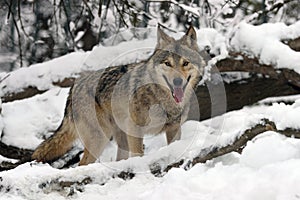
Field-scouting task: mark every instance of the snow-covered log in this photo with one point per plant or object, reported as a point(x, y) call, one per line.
point(68, 185)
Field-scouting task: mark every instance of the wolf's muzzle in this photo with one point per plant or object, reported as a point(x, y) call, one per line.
point(177, 81)
point(177, 90)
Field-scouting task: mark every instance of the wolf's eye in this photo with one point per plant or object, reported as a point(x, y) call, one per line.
point(185, 63)
point(168, 63)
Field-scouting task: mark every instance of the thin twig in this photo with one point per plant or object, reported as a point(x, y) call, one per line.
point(89, 9)
point(100, 8)
point(177, 4)
point(276, 7)
point(5, 77)
point(21, 21)
point(18, 32)
point(68, 23)
point(120, 13)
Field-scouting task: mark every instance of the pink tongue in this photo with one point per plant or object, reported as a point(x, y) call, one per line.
point(178, 94)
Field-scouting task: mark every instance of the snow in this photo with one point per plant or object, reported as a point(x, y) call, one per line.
point(208, 37)
point(279, 149)
point(277, 111)
point(265, 42)
point(259, 172)
point(27, 130)
point(42, 75)
point(268, 167)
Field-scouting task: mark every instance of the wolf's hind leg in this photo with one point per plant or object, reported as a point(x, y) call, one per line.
point(173, 133)
point(123, 150)
point(87, 158)
point(135, 145)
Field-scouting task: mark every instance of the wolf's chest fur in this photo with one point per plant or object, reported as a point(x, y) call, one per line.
point(134, 88)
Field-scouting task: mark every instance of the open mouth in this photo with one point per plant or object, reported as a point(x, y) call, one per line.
point(177, 91)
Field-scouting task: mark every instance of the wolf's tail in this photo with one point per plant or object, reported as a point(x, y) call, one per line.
point(58, 144)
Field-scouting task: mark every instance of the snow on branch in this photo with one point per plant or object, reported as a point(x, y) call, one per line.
point(187, 8)
point(264, 42)
point(275, 7)
point(66, 183)
point(216, 151)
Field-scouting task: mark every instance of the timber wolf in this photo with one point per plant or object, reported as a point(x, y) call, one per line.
point(126, 102)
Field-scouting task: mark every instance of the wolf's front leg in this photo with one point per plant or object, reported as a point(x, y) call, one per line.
point(173, 133)
point(123, 151)
point(135, 145)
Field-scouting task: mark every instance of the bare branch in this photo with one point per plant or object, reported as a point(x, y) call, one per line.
point(5, 77)
point(67, 13)
point(182, 6)
point(213, 152)
point(120, 13)
point(18, 31)
point(89, 9)
point(278, 5)
point(100, 8)
point(20, 18)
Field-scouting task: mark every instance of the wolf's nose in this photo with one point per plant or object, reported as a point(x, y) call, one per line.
point(177, 81)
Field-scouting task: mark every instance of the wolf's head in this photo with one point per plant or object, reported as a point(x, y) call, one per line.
point(178, 63)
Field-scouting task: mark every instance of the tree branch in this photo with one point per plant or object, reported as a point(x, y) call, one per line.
point(216, 151)
point(62, 184)
point(120, 14)
point(275, 7)
point(18, 31)
point(88, 8)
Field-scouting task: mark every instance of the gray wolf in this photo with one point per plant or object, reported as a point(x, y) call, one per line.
point(127, 102)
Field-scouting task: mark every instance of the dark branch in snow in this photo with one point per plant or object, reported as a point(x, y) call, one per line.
point(294, 44)
point(252, 65)
point(31, 91)
point(239, 143)
point(14, 152)
point(23, 155)
point(289, 132)
point(26, 93)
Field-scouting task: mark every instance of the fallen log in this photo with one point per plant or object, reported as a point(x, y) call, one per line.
point(65, 186)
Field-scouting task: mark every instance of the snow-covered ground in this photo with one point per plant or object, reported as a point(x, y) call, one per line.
point(268, 167)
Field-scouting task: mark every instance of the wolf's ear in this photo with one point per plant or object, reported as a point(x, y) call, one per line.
point(162, 39)
point(190, 37)
point(191, 33)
